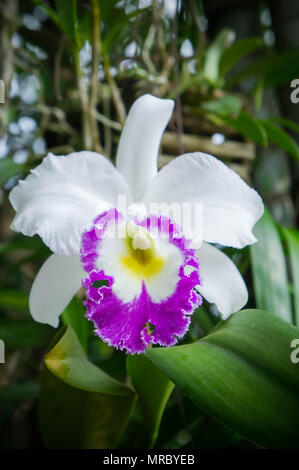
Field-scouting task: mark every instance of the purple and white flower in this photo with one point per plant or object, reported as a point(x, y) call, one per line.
point(151, 275)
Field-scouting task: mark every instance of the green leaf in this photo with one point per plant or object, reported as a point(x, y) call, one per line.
point(20, 392)
point(258, 93)
point(67, 12)
point(255, 69)
point(237, 51)
point(215, 436)
point(14, 300)
point(282, 69)
point(281, 138)
point(223, 107)
point(19, 334)
point(249, 127)
point(269, 270)
point(203, 321)
point(242, 375)
point(292, 237)
point(73, 315)
point(49, 11)
point(213, 56)
point(91, 409)
point(84, 28)
point(68, 362)
point(8, 169)
point(153, 389)
point(24, 244)
point(287, 123)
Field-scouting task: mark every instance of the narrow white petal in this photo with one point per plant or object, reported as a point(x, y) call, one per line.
point(223, 284)
point(230, 207)
point(139, 142)
point(57, 281)
point(61, 197)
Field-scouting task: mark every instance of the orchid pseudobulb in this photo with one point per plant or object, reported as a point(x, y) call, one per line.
point(143, 274)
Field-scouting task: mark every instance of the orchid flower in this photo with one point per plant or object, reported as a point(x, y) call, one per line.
point(152, 276)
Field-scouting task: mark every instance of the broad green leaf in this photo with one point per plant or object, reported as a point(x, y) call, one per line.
point(68, 362)
point(74, 315)
point(255, 69)
point(292, 237)
point(249, 127)
point(8, 169)
point(216, 436)
point(237, 51)
point(223, 107)
point(153, 389)
point(19, 334)
point(14, 300)
point(242, 375)
point(90, 408)
point(269, 270)
point(282, 69)
point(279, 137)
point(287, 123)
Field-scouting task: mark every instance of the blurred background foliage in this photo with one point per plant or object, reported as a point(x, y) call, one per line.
point(71, 71)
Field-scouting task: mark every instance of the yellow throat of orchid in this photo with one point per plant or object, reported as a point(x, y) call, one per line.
point(141, 259)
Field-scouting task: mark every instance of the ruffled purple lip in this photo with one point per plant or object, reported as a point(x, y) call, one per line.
point(133, 326)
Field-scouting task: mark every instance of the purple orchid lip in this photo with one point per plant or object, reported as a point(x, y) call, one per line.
point(132, 326)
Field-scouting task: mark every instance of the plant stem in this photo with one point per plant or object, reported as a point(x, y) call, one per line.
point(96, 50)
point(8, 23)
point(86, 128)
point(116, 96)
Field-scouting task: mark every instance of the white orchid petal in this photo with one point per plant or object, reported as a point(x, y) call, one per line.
point(223, 284)
point(163, 284)
point(139, 142)
point(110, 254)
point(55, 284)
point(61, 197)
point(230, 207)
